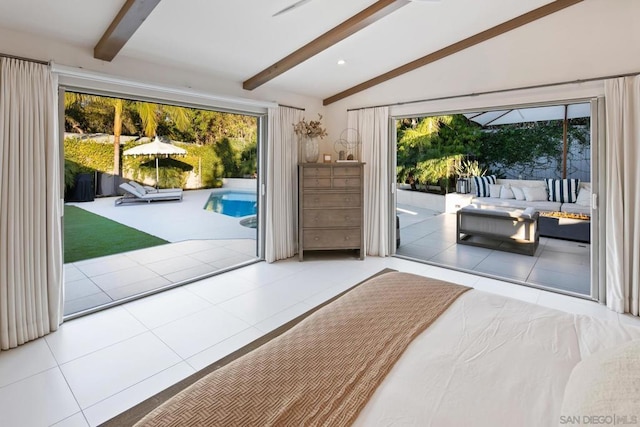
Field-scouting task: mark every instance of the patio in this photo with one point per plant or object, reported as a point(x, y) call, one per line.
point(202, 242)
point(430, 235)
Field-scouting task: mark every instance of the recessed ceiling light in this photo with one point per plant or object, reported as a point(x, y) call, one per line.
point(341, 62)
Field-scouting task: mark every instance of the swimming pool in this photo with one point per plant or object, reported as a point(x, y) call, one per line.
point(232, 203)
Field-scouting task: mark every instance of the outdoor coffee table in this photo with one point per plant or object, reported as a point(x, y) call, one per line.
point(490, 227)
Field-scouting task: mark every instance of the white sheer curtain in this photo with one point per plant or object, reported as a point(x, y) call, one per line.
point(622, 99)
point(282, 184)
point(30, 204)
point(373, 126)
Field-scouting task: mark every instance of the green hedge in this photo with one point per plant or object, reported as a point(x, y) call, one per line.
point(89, 155)
point(224, 159)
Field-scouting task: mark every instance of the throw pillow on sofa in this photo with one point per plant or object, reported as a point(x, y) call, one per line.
point(535, 194)
point(584, 196)
point(507, 192)
point(495, 190)
point(518, 194)
point(563, 190)
point(482, 185)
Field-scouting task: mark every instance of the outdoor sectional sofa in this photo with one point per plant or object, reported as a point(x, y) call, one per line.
point(534, 197)
point(567, 217)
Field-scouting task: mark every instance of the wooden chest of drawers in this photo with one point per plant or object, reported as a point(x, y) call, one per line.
point(331, 204)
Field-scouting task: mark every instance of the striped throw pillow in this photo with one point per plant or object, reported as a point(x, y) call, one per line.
point(482, 185)
point(563, 190)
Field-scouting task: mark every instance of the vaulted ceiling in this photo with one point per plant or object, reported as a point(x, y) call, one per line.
point(238, 39)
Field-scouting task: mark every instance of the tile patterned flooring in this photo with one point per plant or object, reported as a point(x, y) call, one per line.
point(201, 242)
point(97, 366)
point(431, 236)
point(98, 281)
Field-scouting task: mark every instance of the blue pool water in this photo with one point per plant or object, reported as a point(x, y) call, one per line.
point(232, 203)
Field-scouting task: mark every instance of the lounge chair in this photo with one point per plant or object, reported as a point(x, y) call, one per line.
point(147, 189)
point(135, 192)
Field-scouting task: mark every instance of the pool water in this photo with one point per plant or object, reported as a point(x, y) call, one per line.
point(232, 203)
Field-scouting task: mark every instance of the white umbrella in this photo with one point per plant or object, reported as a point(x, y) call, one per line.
point(155, 148)
point(535, 114)
point(530, 114)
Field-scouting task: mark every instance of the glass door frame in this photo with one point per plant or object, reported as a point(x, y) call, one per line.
point(261, 124)
point(597, 147)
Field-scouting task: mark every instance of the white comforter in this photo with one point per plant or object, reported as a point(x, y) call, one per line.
point(489, 361)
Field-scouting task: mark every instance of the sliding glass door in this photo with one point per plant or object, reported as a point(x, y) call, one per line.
point(436, 157)
point(156, 195)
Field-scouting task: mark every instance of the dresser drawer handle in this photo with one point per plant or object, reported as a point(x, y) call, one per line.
point(348, 199)
point(347, 238)
point(316, 238)
point(347, 218)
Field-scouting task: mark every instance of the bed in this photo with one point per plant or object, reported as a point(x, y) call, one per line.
point(486, 360)
point(490, 361)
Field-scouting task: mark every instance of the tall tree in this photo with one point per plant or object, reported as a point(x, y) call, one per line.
point(116, 105)
point(415, 138)
point(429, 148)
point(152, 115)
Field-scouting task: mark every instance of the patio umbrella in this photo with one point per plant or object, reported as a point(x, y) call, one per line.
point(530, 114)
point(155, 148)
point(535, 114)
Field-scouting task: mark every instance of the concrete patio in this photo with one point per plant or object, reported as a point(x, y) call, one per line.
point(201, 243)
point(430, 235)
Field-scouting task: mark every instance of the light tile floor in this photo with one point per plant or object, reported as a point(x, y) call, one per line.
point(99, 365)
point(431, 236)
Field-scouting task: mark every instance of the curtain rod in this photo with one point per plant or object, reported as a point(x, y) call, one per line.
point(490, 92)
point(21, 58)
point(289, 106)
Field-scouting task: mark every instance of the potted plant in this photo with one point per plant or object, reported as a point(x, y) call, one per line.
point(308, 134)
point(465, 170)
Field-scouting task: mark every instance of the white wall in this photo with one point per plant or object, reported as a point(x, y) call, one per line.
point(591, 39)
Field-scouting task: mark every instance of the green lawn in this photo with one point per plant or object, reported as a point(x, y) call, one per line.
point(87, 235)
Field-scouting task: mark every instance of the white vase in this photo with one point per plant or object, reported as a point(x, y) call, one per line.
point(311, 149)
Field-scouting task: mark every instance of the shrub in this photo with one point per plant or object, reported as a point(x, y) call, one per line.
point(212, 162)
point(89, 155)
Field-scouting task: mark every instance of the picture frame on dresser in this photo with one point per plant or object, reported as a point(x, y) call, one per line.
point(331, 207)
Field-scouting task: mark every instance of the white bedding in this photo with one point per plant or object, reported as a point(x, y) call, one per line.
point(489, 361)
